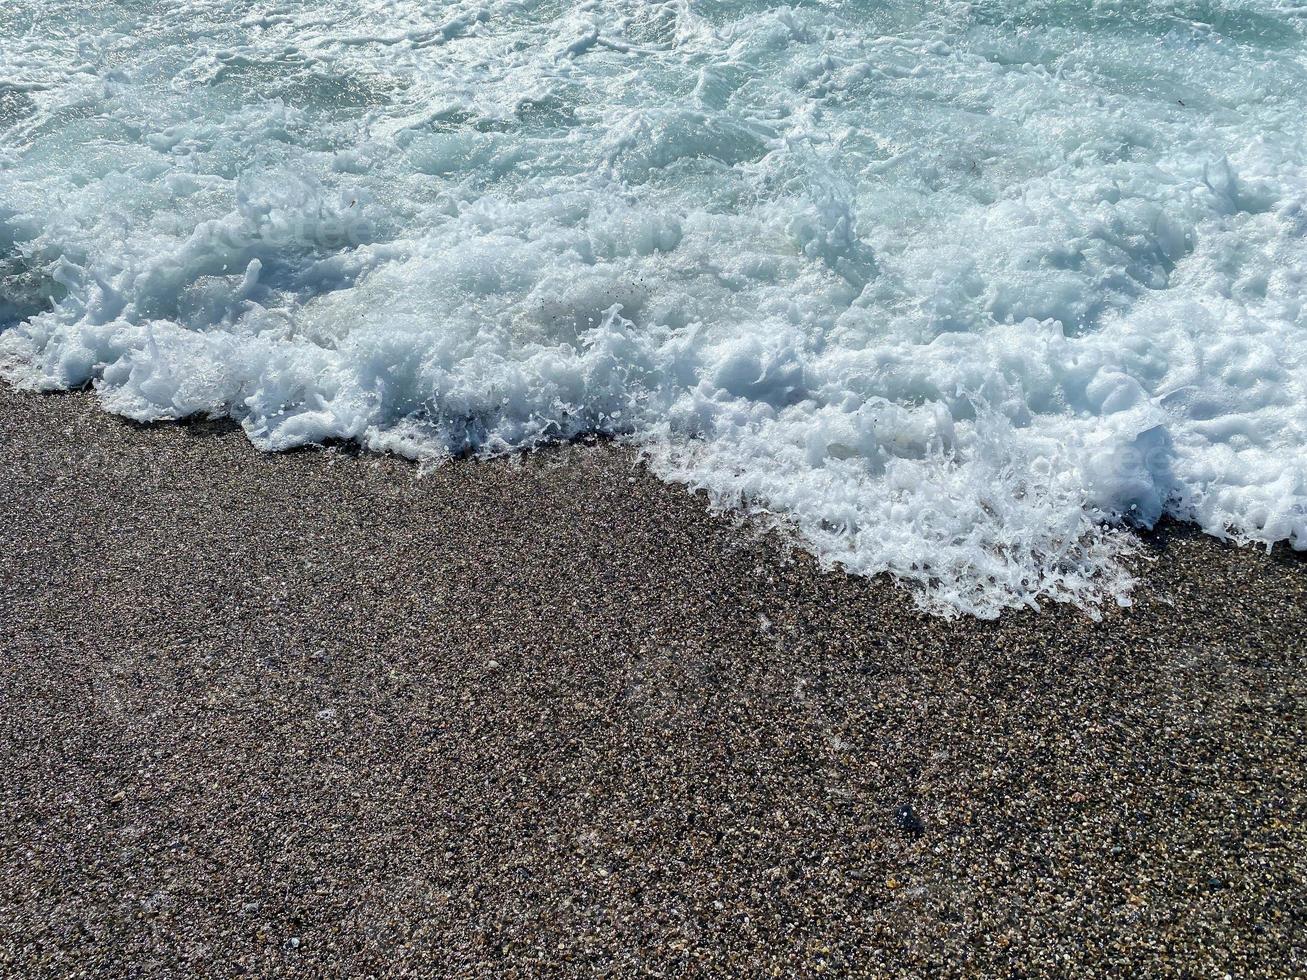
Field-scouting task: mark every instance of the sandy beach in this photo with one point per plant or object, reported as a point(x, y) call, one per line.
point(318, 714)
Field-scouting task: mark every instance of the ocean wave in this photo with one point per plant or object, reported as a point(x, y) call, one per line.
point(958, 293)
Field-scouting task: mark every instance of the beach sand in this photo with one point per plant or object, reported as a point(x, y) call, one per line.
point(315, 714)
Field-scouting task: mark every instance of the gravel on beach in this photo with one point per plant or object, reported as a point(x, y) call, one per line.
point(323, 714)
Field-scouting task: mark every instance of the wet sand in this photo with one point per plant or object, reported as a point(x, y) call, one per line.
point(314, 714)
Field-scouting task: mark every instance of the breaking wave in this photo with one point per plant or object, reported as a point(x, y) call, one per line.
point(956, 291)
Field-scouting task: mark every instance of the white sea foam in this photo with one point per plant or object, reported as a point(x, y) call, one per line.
point(953, 290)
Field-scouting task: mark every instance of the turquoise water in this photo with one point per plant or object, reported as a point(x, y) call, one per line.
point(961, 291)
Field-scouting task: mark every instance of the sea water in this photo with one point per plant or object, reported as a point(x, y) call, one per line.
point(961, 292)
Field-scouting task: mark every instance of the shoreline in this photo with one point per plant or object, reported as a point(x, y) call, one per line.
point(313, 712)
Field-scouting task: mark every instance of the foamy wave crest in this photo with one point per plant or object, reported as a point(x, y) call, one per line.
point(959, 293)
